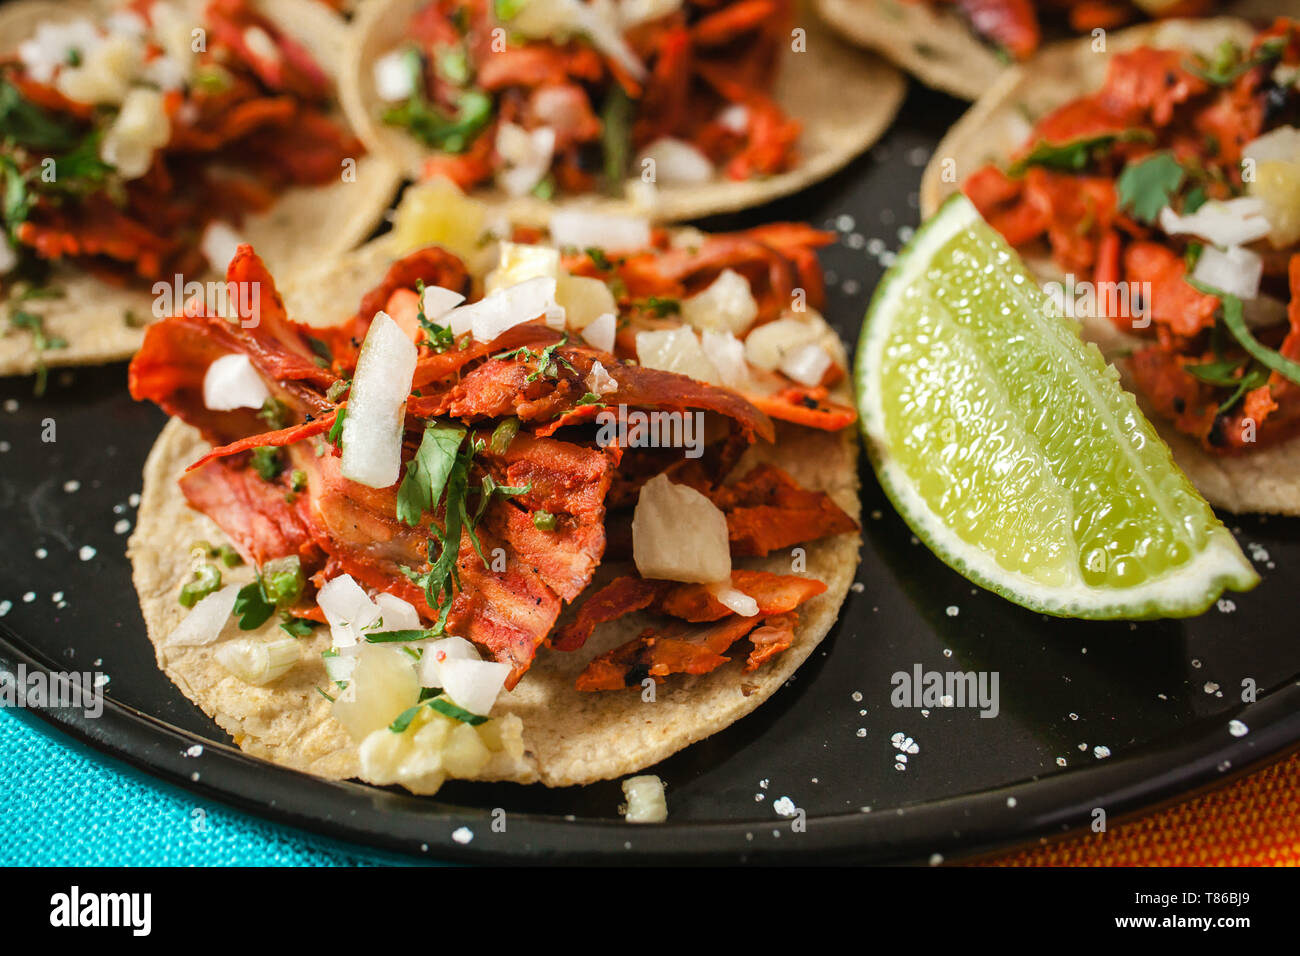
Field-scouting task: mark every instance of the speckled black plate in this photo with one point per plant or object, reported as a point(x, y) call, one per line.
point(1113, 716)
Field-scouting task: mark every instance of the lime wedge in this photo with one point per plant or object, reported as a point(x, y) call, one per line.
point(1009, 447)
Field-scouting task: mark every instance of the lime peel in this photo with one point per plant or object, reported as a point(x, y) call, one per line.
point(1104, 476)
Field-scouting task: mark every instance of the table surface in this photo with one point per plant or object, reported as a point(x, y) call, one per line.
point(50, 788)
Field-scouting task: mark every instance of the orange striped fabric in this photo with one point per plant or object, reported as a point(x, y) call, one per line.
point(1252, 822)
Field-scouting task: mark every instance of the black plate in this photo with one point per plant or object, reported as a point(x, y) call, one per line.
point(1158, 695)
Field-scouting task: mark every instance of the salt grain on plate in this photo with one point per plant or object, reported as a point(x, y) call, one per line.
point(1237, 728)
point(785, 807)
point(462, 835)
point(6, 607)
point(71, 486)
point(29, 597)
point(86, 552)
point(1101, 753)
point(122, 526)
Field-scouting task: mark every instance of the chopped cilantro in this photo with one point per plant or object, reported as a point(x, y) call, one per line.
point(428, 123)
point(335, 435)
point(1145, 187)
point(42, 342)
point(323, 356)
point(1075, 155)
point(275, 413)
point(427, 471)
point(543, 521)
point(296, 626)
point(267, 462)
point(437, 338)
point(251, 607)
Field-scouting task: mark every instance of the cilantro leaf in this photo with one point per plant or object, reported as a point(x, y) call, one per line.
point(427, 471)
point(251, 606)
point(1076, 155)
point(31, 126)
point(1146, 187)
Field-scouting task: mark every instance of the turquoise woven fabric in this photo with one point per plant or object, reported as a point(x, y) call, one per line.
point(61, 806)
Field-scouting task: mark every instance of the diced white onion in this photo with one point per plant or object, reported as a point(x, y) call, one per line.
point(473, 685)
point(727, 353)
point(599, 381)
point(260, 44)
point(527, 156)
point(219, 244)
point(347, 608)
point(679, 535)
point(677, 162)
point(633, 12)
point(675, 350)
point(141, 126)
point(506, 308)
point(442, 650)
point(394, 80)
point(205, 621)
point(1235, 270)
point(376, 418)
point(47, 49)
point(258, 662)
point(398, 615)
point(646, 802)
point(1233, 222)
point(601, 333)
point(726, 305)
point(439, 301)
point(8, 257)
point(231, 382)
point(734, 118)
point(585, 230)
point(767, 345)
point(733, 598)
point(106, 72)
point(806, 364)
point(338, 667)
point(518, 262)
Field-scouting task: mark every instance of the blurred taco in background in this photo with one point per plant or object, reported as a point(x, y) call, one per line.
point(1158, 188)
point(962, 46)
point(675, 109)
point(549, 509)
point(142, 142)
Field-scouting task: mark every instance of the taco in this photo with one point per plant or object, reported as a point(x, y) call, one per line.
point(607, 597)
point(141, 142)
point(676, 109)
point(962, 46)
point(1158, 184)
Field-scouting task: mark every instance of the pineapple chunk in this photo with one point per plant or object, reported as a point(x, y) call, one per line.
point(437, 213)
point(679, 535)
point(383, 685)
point(519, 262)
point(584, 299)
point(1277, 182)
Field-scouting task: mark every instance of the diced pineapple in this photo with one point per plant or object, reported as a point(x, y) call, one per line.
point(678, 534)
point(519, 262)
point(437, 213)
point(464, 754)
point(676, 350)
point(1277, 182)
point(383, 685)
point(584, 299)
point(435, 747)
